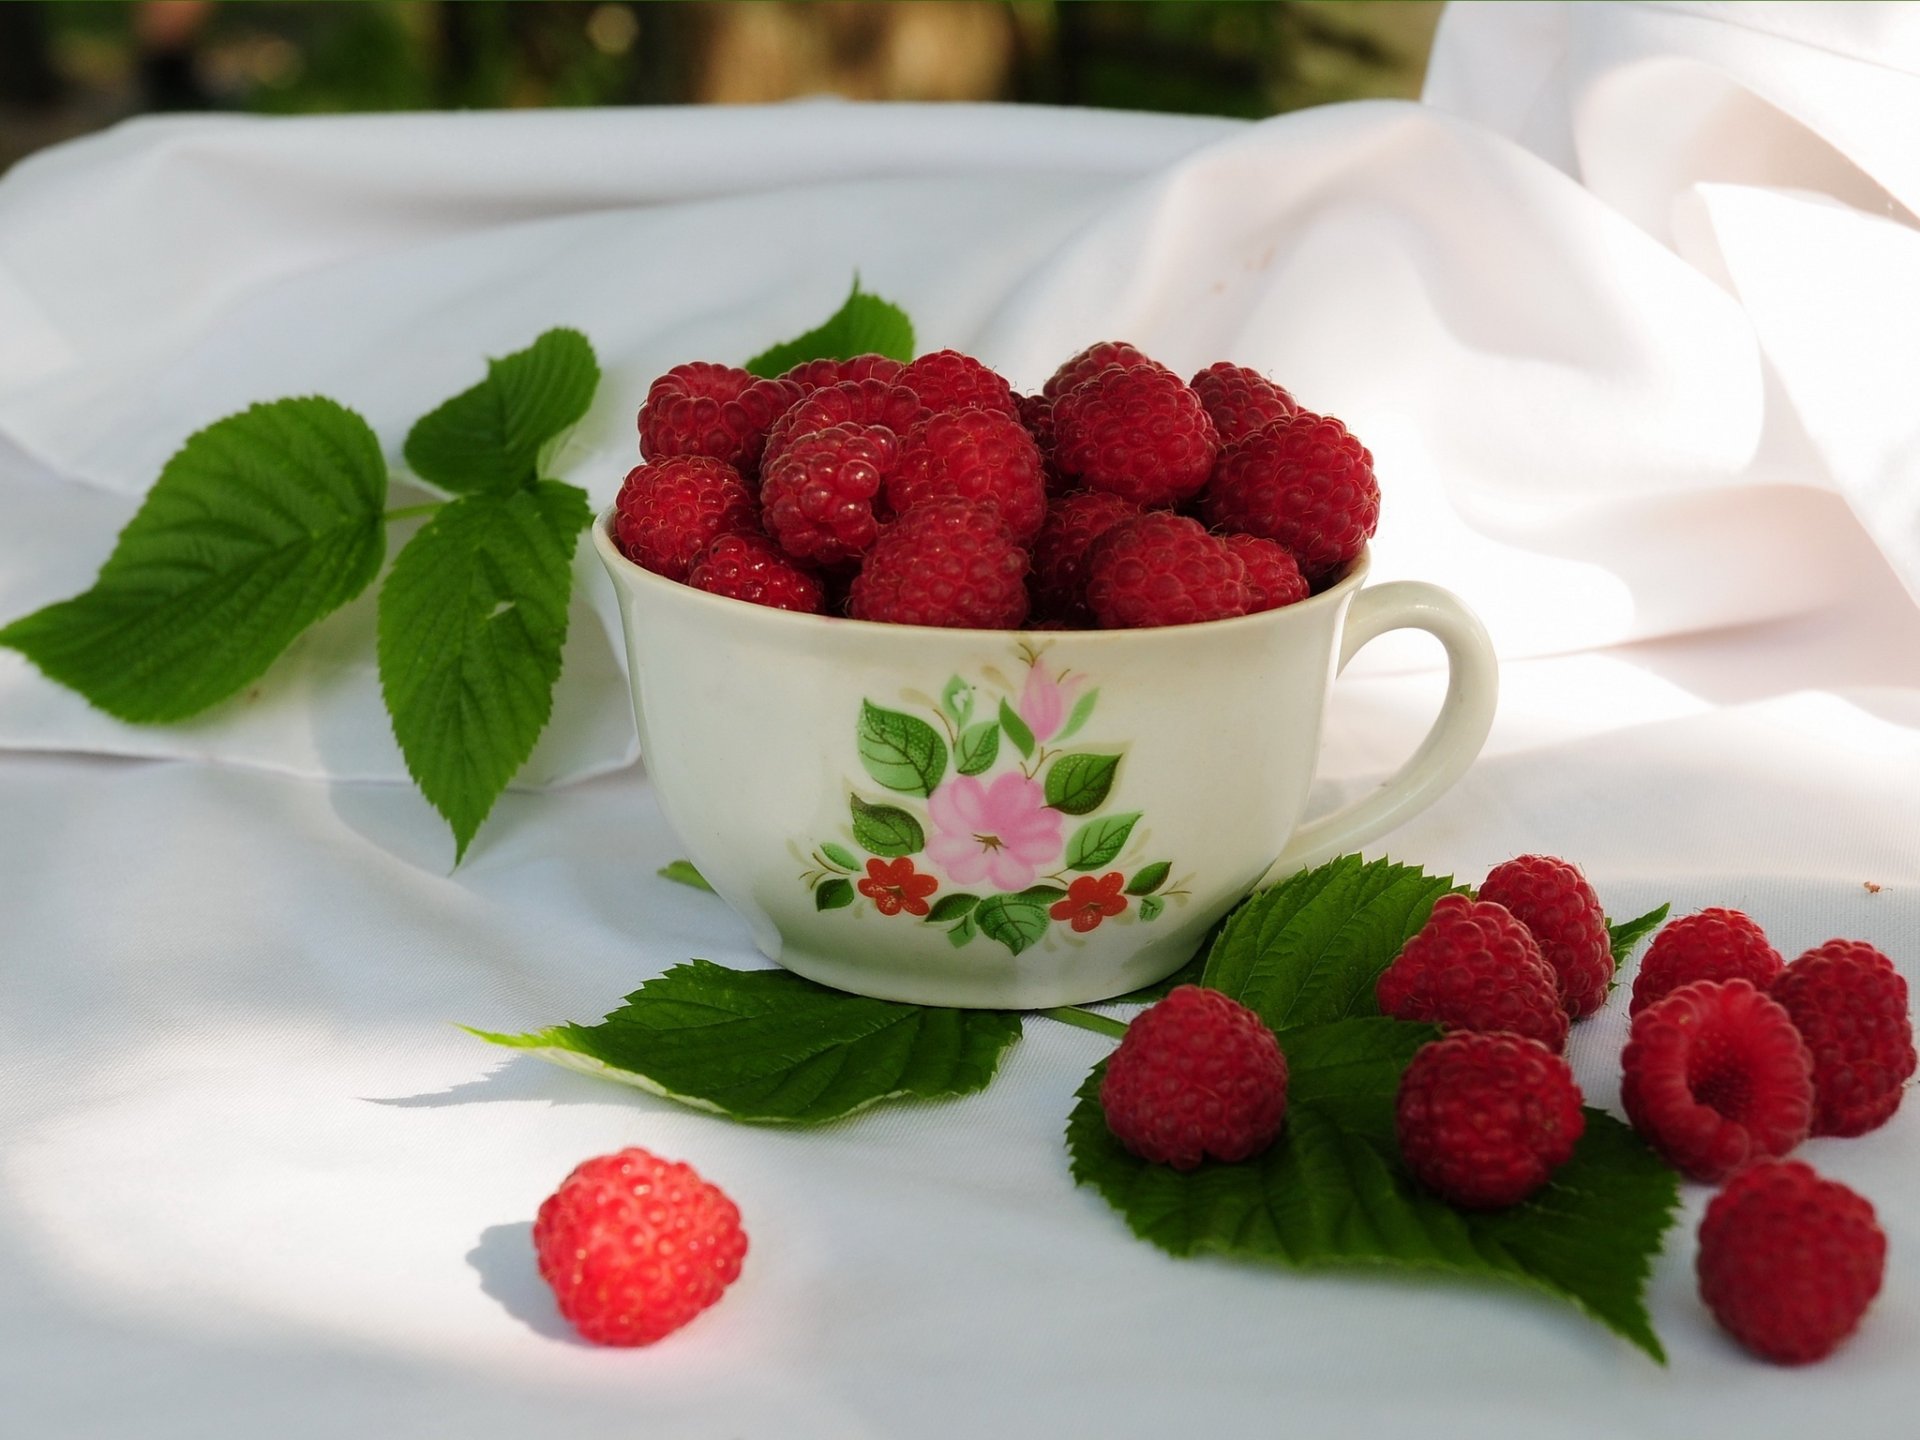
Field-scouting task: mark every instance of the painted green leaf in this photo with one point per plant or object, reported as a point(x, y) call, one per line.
point(1149, 878)
point(956, 701)
point(1622, 938)
point(1331, 1191)
point(488, 438)
point(768, 1046)
point(900, 751)
point(1078, 784)
point(1151, 907)
point(960, 934)
point(833, 894)
point(864, 325)
point(1045, 894)
point(258, 526)
point(951, 907)
point(885, 829)
point(1014, 922)
point(1082, 712)
point(472, 620)
point(1097, 842)
point(978, 748)
point(1016, 729)
point(840, 855)
point(681, 872)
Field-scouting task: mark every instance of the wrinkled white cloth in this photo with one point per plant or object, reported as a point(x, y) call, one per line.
point(1619, 309)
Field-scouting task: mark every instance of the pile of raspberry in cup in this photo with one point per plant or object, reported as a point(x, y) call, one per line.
point(929, 493)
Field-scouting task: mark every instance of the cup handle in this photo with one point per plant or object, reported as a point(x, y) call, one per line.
point(1466, 715)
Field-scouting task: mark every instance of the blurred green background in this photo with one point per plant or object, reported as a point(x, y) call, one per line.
point(70, 66)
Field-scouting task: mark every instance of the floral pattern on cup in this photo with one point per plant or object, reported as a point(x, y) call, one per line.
point(992, 824)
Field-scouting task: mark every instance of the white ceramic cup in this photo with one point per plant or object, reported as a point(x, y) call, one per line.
point(1012, 819)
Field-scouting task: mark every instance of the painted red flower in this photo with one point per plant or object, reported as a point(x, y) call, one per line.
point(1089, 901)
point(894, 885)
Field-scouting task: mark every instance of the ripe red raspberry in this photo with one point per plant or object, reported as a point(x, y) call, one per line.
point(1714, 944)
point(820, 497)
point(973, 454)
point(1162, 569)
point(870, 401)
point(1273, 575)
point(1140, 434)
point(1850, 1006)
point(1788, 1261)
point(1485, 1120)
point(811, 375)
point(1090, 362)
point(1715, 1076)
point(669, 510)
point(754, 569)
point(947, 562)
point(948, 380)
point(1198, 1075)
point(1472, 966)
point(713, 410)
point(1240, 400)
point(1061, 550)
point(1305, 482)
point(1555, 902)
point(635, 1246)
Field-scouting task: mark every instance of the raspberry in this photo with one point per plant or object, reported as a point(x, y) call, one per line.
point(1273, 575)
point(635, 1246)
point(1788, 1261)
point(1472, 966)
point(1240, 400)
point(1715, 1076)
point(819, 493)
point(1555, 902)
point(948, 380)
point(670, 510)
point(1161, 569)
point(713, 410)
point(812, 375)
point(1060, 551)
point(1714, 944)
point(1850, 1006)
point(1305, 482)
point(948, 562)
point(850, 402)
point(1485, 1120)
point(754, 569)
point(1196, 1075)
point(974, 454)
point(1090, 362)
point(1140, 434)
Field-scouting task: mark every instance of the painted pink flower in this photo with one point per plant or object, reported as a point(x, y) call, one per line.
point(1002, 832)
point(1043, 703)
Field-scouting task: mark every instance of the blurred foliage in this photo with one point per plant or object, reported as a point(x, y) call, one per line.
point(71, 65)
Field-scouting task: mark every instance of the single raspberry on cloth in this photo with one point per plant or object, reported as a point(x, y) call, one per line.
point(1090, 362)
point(1472, 966)
point(1163, 569)
point(948, 380)
point(754, 569)
point(635, 1246)
point(1554, 901)
point(1140, 434)
point(669, 510)
point(1850, 1006)
point(712, 410)
point(1273, 575)
point(1305, 482)
point(1788, 1261)
point(1714, 944)
point(1715, 1076)
point(1061, 549)
point(1240, 400)
point(947, 562)
point(1485, 1119)
point(821, 495)
point(812, 375)
point(1198, 1076)
point(981, 455)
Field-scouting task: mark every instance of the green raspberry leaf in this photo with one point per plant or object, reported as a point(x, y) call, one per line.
point(1330, 1191)
point(1308, 950)
point(681, 872)
point(770, 1047)
point(259, 525)
point(864, 325)
point(1622, 938)
point(489, 438)
point(472, 620)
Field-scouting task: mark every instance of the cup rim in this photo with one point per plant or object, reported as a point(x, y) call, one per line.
point(642, 579)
